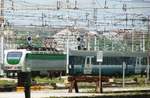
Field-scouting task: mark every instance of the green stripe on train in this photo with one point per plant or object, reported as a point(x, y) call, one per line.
point(46, 56)
point(13, 61)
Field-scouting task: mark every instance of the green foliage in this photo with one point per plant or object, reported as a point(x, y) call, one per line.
point(48, 80)
point(6, 82)
point(137, 78)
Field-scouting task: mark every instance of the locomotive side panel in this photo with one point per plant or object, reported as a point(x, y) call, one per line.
point(46, 62)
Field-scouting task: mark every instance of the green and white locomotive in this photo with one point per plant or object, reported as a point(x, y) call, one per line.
point(34, 61)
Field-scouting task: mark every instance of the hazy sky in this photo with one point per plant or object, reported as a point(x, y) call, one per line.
point(53, 17)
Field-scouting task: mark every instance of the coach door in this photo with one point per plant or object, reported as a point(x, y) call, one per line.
point(88, 65)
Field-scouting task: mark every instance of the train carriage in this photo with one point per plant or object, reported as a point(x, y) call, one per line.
point(81, 62)
point(84, 62)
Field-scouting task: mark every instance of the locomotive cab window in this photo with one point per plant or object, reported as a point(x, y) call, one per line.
point(14, 57)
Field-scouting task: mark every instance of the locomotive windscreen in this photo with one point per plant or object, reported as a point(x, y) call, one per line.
point(14, 57)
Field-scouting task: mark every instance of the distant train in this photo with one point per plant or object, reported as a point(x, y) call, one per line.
point(81, 62)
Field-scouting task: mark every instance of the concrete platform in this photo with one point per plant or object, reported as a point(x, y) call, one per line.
point(84, 93)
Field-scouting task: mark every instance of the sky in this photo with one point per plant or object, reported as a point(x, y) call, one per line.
point(63, 16)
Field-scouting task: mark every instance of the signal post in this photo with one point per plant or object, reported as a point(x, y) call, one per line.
point(100, 60)
point(24, 79)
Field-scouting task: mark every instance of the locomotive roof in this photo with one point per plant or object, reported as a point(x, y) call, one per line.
point(107, 53)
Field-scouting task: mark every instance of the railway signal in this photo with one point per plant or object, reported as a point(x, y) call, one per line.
point(29, 40)
point(81, 41)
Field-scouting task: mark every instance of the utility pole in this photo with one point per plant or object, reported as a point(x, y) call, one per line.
point(1, 51)
point(2, 35)
point(132, 36)
point(95, 42)
point(58, 4)
point(126, 20)
point(2, 8)
point(12, 4)
point(94, 12)
point(43, 19)
point(67, 4)
point(76, 7)
point(124, 8)
point(67, 52)
point(148, 56)
point(86, 18)
point(143, 41)
point(105, 4)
